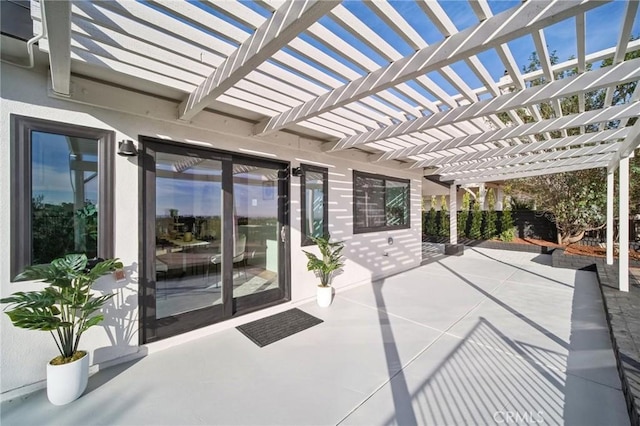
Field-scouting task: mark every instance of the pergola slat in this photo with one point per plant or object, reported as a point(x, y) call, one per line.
point(58, 21)
point(409, 110)
point(631, 142)
point(622, 73)
point(621, 47)
point(512, 23)
point(526, 159)
point(554, 124)
point(569, 141)
point(556, 164)
point(285, 24)
point(525, 174)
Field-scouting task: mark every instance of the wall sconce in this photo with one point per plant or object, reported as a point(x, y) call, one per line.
point(296, 171)
point(127, 148)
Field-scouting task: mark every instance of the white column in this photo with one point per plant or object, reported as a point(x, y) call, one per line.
point(453, 214)
point(623, 257)
point(610, 201)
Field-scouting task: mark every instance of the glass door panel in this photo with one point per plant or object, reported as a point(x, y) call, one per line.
point(188, 227)
point(256, 230)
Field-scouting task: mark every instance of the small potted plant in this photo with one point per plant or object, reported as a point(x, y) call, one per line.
point(66, 309)
point(325, 266)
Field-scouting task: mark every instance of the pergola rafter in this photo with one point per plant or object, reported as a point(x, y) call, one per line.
point(520, 150)
point(531, 167)
point(526, 159)
point(58, 25)
point(554, 124)
point(361, 76)
point(530, 16)
point(515, 174)
point(285, 24)
point(621, 73)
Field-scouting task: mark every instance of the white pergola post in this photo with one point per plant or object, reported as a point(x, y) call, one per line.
point(453, 214)
point(623, 257)
point(610, 201)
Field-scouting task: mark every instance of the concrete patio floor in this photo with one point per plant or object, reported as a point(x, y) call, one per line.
point(492, 337)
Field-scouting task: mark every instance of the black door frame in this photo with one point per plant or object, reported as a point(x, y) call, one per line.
point(152, 329)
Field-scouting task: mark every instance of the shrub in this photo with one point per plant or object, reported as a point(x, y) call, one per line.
point(431, 227)
point(444, 218)
point(507, 230)
point(491, 217)
point(476, 222)
point(463, 216)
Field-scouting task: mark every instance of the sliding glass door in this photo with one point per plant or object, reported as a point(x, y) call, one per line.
point(213, 237)
point(257, 232)
point(188, 229)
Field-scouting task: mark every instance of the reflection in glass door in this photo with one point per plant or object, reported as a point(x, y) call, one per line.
point(213, 237)
point(188, 229)
point(256, 230)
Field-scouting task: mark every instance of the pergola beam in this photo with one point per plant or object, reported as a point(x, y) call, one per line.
point(284, 25)
point(528, 159)
point(555, 164)
point(511, 151)
point(523, 174)
point(554, 124)
point(627, 147)
point(619, 74)
point(511, 24)
point(623, 39)
point(57, 17)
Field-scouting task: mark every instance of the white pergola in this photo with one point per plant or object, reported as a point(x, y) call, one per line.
point(366, 78)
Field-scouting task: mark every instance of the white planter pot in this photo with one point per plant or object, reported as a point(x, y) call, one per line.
point(324, 296)
point(65, 383)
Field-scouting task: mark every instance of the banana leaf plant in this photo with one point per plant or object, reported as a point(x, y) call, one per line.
point(330, 261)
point(67, 307)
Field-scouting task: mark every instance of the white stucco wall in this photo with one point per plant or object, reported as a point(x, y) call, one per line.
point(24, 353)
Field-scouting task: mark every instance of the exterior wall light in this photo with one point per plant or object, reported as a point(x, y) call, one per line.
point(296, 171)
point(127, 148)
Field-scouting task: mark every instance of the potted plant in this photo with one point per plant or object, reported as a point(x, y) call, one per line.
point(66, 309)
point(325, 266)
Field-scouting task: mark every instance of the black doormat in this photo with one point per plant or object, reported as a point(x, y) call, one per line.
point(267, 330)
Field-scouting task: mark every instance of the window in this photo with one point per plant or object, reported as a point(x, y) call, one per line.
point(380, 203)
point(314, 200)
point(62, 188)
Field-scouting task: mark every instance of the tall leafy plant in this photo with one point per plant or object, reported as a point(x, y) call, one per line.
point(507, 231)
point(444, 218)
point(330, 259)
point(432, 225)
point(463, 215)
point(491, 217)
point(66, 308)
point(476, 222)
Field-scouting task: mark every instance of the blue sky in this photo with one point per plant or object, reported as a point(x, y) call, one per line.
point(603, 24)
point(51, 175)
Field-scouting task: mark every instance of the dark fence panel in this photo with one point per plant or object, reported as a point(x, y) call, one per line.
point(534, 224)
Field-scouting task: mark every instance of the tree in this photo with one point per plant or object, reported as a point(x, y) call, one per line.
point(463, 216)
point(476, 221)
point(444, 218)
point(507, 232)
point(432, 226)
point(577, 200)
